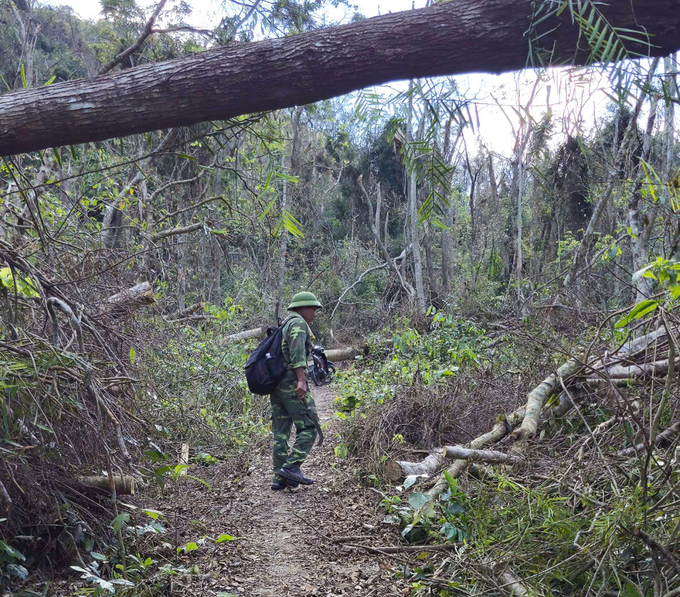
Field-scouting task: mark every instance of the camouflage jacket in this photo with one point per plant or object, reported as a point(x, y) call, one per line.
point(296, 343)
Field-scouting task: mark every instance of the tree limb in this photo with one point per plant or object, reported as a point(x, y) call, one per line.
point(148, 30)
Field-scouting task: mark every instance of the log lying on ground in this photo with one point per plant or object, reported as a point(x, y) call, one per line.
point(665, 436)
point(124, 485)
point(131, 299)
point(397, 470)
point(538, 396)
point(341, 354)
point(504, 425)
point(256, 333)
point(657, 368)
point(461, 453)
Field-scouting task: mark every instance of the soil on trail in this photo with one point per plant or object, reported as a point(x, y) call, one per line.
point(287, 540)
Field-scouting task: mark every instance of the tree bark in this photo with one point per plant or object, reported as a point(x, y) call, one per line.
point(341, 354)
point(458, 452)
point(537, 397)
point(132, 298)
point(247, 335)
point(451, 38)
point(397, 470)
point(504, 425)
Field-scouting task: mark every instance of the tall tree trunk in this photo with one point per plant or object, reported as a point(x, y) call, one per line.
point(294, 164)
point(448, 38)
point(413, 213)
point(639, 230)
point(281, 277)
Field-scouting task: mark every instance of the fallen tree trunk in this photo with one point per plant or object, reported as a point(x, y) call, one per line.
point(504, 425)
point(538, 396)
point(658, 368)
point(257, 333)
point(341, 354)
point(461, 453)
point(397, 470)
point(131, 299)
point(218, 84)
point(124, 485)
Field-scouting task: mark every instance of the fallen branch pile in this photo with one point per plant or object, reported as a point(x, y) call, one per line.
point(66, 411)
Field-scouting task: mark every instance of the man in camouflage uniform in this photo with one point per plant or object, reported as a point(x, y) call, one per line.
point(292, 402)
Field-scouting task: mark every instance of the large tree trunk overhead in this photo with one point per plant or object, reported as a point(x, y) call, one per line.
point(445, 39)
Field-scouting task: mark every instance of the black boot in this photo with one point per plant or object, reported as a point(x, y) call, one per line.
point(282, 484)
point(295, 474)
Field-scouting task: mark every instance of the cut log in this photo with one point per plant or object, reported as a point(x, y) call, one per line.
point(131, 299)
point(504, 425)
point(397, 470)
point(459, 452)
point(657, 368)
point(124, 485)
point(341, 354)
point(538, 396)
point(256, 333)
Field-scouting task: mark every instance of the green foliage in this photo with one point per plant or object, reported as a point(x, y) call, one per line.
point(452, 345)
point(22, 285)
point(664, 271)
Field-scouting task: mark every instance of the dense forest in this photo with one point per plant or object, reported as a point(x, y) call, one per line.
point(499, 274)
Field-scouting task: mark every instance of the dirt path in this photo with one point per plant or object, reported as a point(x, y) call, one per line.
point(285, 542)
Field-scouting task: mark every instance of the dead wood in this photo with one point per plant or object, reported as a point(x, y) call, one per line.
point(657, 368)
point(187, 312)
point(397, 470)
point(256, 333)
point(341, 354)
point(538, 397)
point(124, 485)
point(350, 539)
point(131, 299)
point(504, 425)
point(75, 319)
point(461, 453)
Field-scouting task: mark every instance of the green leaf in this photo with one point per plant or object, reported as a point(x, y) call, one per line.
point(120, 520)
point(340, 451)
point(133, 354)
point(631, 590)
point(638, 311)
point(154, 514)
point(10, 551)
point(188, 547)
point(51, 80)
point(23, 77)
point(418, 500)
point(225, 538)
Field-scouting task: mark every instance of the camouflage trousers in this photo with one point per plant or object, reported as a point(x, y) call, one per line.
point(285, 413)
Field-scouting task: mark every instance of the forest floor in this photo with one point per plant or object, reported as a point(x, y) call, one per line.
point(288, 542)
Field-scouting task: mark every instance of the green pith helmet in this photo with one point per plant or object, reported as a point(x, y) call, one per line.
point(304, 299)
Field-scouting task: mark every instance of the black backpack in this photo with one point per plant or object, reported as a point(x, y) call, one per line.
point(264, 367)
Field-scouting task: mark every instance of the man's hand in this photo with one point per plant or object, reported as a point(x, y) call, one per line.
point(301, 389)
